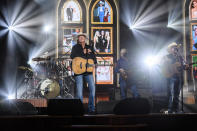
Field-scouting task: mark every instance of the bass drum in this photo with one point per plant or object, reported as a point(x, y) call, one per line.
point(50, 88)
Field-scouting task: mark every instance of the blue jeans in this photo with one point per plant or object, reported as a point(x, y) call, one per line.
point(123, 89)
point(79, 83)
point(101, 16)
point(174, 87)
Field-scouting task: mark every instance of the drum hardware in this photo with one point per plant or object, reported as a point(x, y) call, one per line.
point(28, 84)
point(63, 73)
point(61, 59)
point(64, 84)
point(25, 68)
point(50, 78)
point(41, 59)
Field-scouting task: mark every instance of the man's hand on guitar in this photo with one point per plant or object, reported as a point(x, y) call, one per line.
point(123, 73)
point(121, 70)
point(86, 51)
point(187, 66)
point(81, 65)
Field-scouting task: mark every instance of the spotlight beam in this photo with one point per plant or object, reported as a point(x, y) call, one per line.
point(146, 16)
point(10, 28)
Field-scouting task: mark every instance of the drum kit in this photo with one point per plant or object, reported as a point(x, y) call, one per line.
point(48, 79)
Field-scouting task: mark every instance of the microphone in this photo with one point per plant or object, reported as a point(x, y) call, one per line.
point(176, 48)
point(91, 43)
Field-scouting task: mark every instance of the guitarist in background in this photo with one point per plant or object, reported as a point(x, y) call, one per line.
point(81, 49)
point(173, 66)
point(126, 80)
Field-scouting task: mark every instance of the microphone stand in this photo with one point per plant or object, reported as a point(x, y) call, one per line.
point(183, 62)
point(92, 45)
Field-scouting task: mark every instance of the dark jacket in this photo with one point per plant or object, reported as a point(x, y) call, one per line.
point(77, 51)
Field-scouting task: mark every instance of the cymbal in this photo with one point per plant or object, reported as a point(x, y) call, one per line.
point(40, 59)
point(25, 68)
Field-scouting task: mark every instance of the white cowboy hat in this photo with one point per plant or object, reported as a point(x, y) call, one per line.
point(82, 34)
point(173, 44)
point(101, 2)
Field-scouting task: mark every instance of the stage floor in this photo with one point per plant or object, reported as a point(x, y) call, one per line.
point(151, 121)
point(23, 115)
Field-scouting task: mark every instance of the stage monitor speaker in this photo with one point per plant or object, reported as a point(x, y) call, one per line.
point(15, 107)
point(65, 107)
point(106, 107)
point(132, 106)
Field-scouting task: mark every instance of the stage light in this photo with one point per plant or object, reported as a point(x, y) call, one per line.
point(47, 28)
point(21, 23)
point(10, 28)
point(132, 27)
point(30, 62)
point(172, 25)
point(151, 61)
point(144, 20)
point(10, 97)
point(175, 16)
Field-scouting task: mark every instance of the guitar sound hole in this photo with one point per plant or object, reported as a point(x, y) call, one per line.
point(81, 65)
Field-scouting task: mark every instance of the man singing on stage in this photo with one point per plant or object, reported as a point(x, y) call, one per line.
point(172, 67)
point(85, 53)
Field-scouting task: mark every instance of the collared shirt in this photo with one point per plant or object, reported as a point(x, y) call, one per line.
point(122, 63)
point(132, 68)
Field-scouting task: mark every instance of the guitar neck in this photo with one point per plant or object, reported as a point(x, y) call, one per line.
point(104, 64)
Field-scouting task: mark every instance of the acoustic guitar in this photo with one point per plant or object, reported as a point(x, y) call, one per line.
point(169, 70)
point(81, 65)
point(131, 72)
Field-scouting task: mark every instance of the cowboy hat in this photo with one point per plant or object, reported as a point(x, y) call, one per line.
point(173, 44)
point(101, 2)
point(194, 27)
point(82, 34)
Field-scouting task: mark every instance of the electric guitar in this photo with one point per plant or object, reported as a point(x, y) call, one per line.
point(124, 74)
point(81, 65)
point(127, 74)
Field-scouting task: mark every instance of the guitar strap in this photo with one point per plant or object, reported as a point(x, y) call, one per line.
point(86, 57)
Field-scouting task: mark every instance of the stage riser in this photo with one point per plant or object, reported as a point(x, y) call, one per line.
point(156, 122)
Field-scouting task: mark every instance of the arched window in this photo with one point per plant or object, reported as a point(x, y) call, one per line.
point(103, 33)
point(193, 9)
point(102, 12)
point(71, 21)
point(71, 12)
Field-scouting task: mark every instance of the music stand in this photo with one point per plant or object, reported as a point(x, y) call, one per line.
point(96, 53)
